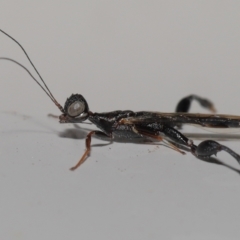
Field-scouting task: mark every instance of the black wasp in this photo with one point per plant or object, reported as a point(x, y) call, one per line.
point(143, 125)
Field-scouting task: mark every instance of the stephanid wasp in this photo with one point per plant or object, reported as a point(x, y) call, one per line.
point(144, 125)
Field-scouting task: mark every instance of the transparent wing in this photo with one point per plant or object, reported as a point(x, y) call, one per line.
point(222, 127)
point(204, 120)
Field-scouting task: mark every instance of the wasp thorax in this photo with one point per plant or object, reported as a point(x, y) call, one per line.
point(75, 105)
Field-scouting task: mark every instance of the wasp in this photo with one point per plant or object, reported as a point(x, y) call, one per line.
point(129, 125)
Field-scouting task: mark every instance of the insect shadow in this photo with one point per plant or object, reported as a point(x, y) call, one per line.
point(79, 132)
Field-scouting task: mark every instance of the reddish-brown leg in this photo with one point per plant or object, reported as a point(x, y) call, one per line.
point(159, 138)
point(88, 148)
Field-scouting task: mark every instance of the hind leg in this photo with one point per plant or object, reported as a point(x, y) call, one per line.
point(185, 103)
point(208, 147)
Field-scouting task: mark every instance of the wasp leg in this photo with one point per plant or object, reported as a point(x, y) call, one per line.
point(52, 115)
point(170, 134)
point(185, 103)
point(152, 133)
point(207, 148)
point(88, 147)
point(204, 150)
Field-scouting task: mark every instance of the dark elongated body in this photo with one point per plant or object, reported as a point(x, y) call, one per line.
point(152, 125)
point(172, 119)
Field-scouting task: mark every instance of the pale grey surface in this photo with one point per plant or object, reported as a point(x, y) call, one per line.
point(139, 55)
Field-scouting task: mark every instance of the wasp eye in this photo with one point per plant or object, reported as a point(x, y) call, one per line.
point(76, 109)
point(75, 105)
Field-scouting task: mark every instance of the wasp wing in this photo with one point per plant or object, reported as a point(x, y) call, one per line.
point(176, 119)
point(224, 127)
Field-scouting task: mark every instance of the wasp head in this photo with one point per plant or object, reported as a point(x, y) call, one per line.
point(75, 110)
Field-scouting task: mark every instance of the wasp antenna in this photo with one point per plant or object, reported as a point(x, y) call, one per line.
point(50, 96)
point(48, 92)
point(19, 64)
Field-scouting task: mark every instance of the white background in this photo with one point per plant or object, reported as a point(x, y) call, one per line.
point(138, 55)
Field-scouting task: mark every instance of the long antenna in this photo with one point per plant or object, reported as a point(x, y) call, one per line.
point(11, 60)
point(48, 92)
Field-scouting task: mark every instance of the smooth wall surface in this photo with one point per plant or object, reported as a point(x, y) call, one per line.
point(138, 55)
